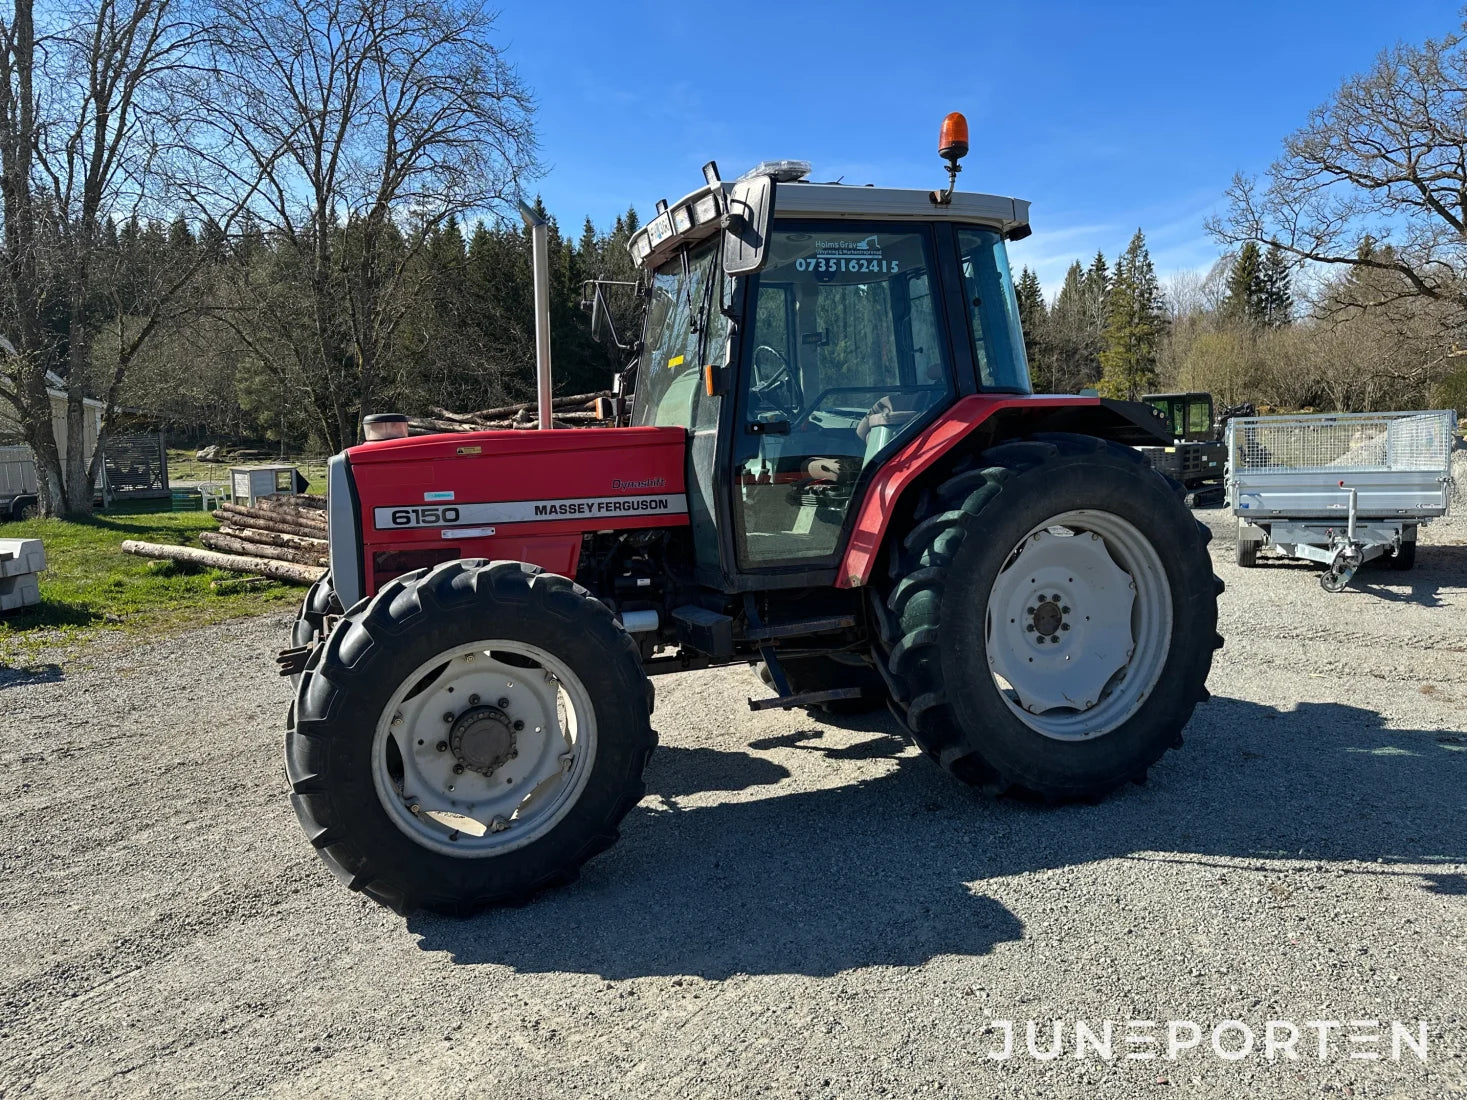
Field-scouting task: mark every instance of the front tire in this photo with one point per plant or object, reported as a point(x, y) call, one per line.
point(1053, 619)
point(542, 758)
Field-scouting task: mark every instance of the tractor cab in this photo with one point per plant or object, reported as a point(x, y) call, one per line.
point(1189, 415)
point(802, 333)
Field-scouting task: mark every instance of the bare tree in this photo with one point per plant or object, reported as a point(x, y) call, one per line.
point(369, 123)
point(1375, 180)
point(88, 111)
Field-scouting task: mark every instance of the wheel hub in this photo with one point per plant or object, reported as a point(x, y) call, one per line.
point(482, 740)
point(1048, 617)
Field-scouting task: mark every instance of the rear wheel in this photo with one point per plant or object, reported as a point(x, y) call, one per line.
point(471, 736)
point(1053, 618)
point(22, 508)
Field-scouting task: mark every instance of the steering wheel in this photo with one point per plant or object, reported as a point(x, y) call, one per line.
point(777, 389)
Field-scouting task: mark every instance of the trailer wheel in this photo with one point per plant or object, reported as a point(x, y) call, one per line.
point(470, 736)
point(1053, 618)
point(1247, 552)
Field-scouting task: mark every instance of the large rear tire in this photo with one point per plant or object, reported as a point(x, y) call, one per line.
point(469, 737)
point(1052, 618)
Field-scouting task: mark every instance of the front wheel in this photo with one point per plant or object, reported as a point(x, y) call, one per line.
point(1053, 618)
point(469, 737)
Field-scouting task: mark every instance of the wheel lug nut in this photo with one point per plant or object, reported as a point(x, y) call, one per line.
point(519, 724)
point(458, 769)
point(1030, 628)
point(448, 716)
point(443, 746)
point(473, 700)
point(1064, 626)
point(1064, 610)
point(1028, 611)
point(503, 703)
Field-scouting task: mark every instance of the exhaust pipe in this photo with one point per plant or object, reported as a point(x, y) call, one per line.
point(540, 243)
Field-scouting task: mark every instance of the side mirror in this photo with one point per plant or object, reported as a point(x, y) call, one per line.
point(746, 225)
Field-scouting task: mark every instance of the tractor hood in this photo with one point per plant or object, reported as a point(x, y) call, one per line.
point(517, 495)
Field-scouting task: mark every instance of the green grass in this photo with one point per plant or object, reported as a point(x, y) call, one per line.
point(183, 466)
point(91, 585)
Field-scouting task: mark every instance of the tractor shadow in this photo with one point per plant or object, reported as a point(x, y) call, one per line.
point(890, 869)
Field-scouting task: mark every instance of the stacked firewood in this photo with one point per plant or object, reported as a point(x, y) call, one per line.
point(578, 411)
point(281, 536)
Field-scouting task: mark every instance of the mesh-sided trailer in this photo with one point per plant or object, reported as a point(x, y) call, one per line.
point(1339, 489)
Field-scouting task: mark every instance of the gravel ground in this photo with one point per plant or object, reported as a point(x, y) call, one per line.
point(796, 908)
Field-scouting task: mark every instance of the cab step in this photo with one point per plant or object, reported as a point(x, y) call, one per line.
point(799, 628)
point(804, 699)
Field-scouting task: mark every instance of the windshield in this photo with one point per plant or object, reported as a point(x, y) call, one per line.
point(669, 376)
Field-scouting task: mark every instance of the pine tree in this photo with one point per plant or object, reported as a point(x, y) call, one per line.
point(1068, 327)
point(1277, 298)
point(180, 236)
point(1097, 284)
point(1032, 316)
point(1135, 320)
point(1245, 294)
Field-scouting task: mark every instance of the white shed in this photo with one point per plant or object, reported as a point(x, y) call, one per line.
point(10, 425)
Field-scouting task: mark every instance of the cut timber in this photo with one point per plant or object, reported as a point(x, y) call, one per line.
point(264, 567)
point(505, 411)
point(215, 541)
point(239, 516)
point(275, 538)
point(426, 425)
point(292, 502)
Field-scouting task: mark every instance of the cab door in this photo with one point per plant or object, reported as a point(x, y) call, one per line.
point(845, 355)
point(686, 330)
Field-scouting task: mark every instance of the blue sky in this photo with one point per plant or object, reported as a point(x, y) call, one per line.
point(1106, 116)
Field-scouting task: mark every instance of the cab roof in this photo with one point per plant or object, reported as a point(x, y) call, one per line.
point(695, 216)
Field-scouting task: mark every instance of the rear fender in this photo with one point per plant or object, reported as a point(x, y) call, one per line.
point(976, 422)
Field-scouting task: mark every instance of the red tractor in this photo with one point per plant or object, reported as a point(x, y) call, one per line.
point(832, 464)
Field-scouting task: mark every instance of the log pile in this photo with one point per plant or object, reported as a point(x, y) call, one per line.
point(283, 537)
point(578, 411)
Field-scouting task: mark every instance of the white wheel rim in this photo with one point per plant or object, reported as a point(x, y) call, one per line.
point(1078, 625)
point(522, 736)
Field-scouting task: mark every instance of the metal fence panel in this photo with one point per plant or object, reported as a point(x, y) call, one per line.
point(1345, 443)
